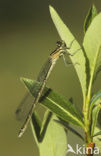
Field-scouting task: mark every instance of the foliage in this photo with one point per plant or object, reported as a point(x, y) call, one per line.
point(53, 140)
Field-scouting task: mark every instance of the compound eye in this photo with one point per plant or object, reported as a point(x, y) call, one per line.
point(58, 43)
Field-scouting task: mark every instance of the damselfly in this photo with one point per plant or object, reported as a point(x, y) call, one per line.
point(42, 79)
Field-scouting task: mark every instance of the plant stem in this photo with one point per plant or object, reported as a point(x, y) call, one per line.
point(87, 116)
point(86, 111)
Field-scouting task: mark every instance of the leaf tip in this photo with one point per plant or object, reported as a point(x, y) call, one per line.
point(90, 16)
point(23, 79)
point(94, 7)
point(50, 8)
point(26, 81)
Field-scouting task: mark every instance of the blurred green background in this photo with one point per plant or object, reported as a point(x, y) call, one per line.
point(27, 36)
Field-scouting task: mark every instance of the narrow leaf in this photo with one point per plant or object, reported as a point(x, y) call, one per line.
point(96, 99)
point(90, 16)
point(95, 112)
point(92, 44)
point(62, 108)
point(39, 128)
point(98, 133)
point(99, 119)
point(57, 104)
point(34, 87)
point(97, 139)
point(98, 64)
point(95, 106)
point(67, 36)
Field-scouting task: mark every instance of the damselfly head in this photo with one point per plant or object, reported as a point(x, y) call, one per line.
point(61, 44)
point(60, 49)
point(58, 43)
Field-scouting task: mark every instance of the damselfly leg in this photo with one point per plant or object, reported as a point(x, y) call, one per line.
point(71, 54)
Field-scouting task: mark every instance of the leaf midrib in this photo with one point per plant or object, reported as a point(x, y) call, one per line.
point(64, 110)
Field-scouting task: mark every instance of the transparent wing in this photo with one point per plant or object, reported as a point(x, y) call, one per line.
point(24, 107)
point(66, 60)
point(44, 71)
point(27, 102)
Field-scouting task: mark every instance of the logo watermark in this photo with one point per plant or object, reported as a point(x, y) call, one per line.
point(82, 149)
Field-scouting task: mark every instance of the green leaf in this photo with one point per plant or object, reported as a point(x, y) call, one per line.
point(49, 135)
point(57, 104)
point(67, 36)
point(63, 108)
point(98, 65)
point(39, 127)
point(55, 140)
point(97, 139)
point(98, 133)
point(96, 99)
point(95, 107)
point(95, 112)
point(34, 87)
point(99, 119)
point(92, 46)
point(90, 16)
